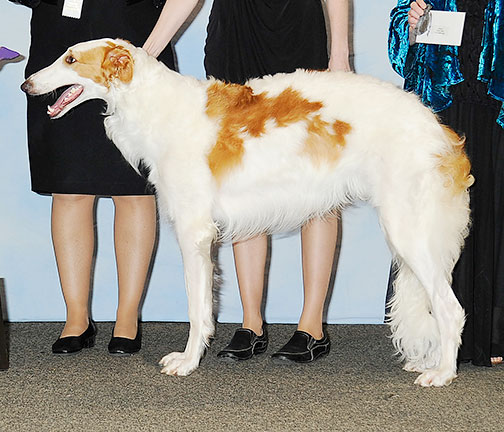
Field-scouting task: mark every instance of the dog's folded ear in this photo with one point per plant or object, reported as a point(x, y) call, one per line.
point(118, 64)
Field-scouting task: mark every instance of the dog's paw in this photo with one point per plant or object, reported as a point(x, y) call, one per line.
point(436, 378)
point(413, 367)
point(178, 364)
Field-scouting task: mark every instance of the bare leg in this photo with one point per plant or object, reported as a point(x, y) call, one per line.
point(250, 262)
point(73, 240)
point(134, 238)
point(319, 244)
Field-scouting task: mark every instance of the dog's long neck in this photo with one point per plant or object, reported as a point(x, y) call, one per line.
point(154, 112)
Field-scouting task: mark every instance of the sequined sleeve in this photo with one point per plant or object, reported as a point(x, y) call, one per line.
point(399, 48)
point(491, 66)
point(428, 70)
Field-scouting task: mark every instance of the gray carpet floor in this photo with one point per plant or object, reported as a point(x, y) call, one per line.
point(359, 386)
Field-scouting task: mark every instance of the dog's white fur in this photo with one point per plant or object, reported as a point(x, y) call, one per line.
point(391, 157)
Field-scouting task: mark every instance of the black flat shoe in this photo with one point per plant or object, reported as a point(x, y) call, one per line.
point(74, 344)
point(303, 348)
point(121, 346)
point(244, 344)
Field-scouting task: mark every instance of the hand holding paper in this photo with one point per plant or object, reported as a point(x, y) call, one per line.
point(443, 28)
point(434, 26)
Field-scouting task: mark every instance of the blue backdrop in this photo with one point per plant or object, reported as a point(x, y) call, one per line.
point(27, 262)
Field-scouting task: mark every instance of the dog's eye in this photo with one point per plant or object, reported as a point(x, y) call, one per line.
point(70, 59)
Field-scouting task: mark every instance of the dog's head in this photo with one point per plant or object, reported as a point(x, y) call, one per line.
point(89, 70)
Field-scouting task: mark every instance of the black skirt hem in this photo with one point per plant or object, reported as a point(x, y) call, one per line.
point(93, 189)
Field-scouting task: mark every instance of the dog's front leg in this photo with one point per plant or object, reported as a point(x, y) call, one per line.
point(195, 240)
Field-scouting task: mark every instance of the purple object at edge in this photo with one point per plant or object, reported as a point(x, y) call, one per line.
point(7, 54)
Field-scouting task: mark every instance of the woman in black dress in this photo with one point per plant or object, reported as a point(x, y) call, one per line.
point(72, 159)
point(478, 278)
point(252, 38)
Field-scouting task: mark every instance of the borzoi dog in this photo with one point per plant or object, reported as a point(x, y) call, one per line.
point(231, 161)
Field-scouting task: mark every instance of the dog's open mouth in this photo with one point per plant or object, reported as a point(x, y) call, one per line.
point(68, 96)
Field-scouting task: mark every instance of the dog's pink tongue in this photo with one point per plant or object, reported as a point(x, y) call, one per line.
point(69, 95)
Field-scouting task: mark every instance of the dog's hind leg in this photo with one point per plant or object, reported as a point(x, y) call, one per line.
point(450, 318)
point(195, 238)
point(426, 318)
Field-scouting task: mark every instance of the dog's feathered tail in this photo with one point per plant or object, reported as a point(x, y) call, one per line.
point(415, 332)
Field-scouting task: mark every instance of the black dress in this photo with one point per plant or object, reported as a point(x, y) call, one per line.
point(72, 154)
point(252, 38)
point(479, 275)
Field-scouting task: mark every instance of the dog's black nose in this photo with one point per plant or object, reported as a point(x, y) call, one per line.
point(27, 86)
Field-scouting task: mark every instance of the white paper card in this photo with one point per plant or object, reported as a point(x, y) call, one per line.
point(72, 8)
point(445, 28)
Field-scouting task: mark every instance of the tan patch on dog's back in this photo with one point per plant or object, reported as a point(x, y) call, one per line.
point(455, 164)
point(324, 145)
point(103, 64)
point(241, 111)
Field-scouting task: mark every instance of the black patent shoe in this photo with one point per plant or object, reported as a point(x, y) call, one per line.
point(303, 348)
point(244, 344)
point(74, 344)
point(121, 346)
